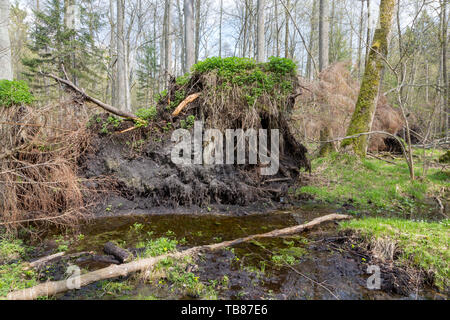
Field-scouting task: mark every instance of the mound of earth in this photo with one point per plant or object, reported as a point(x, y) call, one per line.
point(233, 93)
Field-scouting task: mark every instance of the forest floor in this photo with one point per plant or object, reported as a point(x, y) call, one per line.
point(400, 227)
point(409, 220)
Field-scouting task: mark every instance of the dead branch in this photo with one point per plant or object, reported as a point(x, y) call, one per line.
point(185, 102)
point(101, 104)
point(54, 287)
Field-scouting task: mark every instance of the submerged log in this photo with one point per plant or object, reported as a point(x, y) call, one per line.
point(120, 254)
point(54, 287)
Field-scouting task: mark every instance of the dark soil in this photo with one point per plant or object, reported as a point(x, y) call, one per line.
point(135, 171)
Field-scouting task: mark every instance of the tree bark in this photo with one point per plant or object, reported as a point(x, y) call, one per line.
point(362, 117)
point(189, 33)
point(5, 44)
point(260, 31)
point(323, 34)
point(101, 104)
point(312, 35)
point(54, 287)
point(286, 31)
point(167, 42)
point(122, 83)
point(119, 253)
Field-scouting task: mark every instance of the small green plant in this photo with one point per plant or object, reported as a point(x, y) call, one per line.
point(115, 288)
point(288, 255)
point(14, 93)
point(182, 80)
point(14, 277)
point(188, 123)
point(147, 114)
point(137, 227)
point(159, 246)
point(11, 250)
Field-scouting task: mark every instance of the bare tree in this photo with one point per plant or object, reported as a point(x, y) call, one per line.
point(122, 82)
point(323, 34)
point(260, 31)
point(189, 33)
point(5, 44)
point(167, 40)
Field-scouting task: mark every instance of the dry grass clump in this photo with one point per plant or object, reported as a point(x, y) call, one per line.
point(330, 102)
point(38, 165)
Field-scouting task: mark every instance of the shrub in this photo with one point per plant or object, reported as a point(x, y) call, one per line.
point(147, 113)
point(14, 93)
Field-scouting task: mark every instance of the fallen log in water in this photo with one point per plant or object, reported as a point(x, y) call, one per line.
point(54, 287)
point(121, 254)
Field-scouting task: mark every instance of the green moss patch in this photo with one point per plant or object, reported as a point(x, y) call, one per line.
point(424, 245)
point(374, 184)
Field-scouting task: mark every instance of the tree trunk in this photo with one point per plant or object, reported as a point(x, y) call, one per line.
point(112, 55)
point(361, 20)
point(444, 42)
point(122, 82)
point(5, 44)
point(260, 31)
point(189, 33)
point(366, 104)
point(323, 34)
point(312, 35)
point(368, 30)
point(197, 29)
point(286, 31)
point(220, 28)
point(167, 41)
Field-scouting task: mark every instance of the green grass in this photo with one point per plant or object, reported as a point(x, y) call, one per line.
point(288, 256)
point(13, 275)
point(373, 183)
point(158, 247)
point(424, 245)
point(11, 250)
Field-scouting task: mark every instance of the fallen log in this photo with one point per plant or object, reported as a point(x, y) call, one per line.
point(184, 103)
point(41, 262)
point(120, 254)
point(101, 104)
point(98, 258)
point(54, 287)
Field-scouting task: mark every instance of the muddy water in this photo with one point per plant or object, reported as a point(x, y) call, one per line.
point(318, 272)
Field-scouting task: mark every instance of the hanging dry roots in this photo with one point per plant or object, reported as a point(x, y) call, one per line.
point(38, 168)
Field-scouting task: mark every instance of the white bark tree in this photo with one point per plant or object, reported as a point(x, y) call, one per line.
point(189, 33)
point(323, 34)
point(260, 56)
point(122, 94)
point(167, 40)
point(5, 44)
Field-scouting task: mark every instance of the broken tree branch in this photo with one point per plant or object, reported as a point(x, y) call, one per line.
point(54, 287)
point(101, 104)
point(185, 102)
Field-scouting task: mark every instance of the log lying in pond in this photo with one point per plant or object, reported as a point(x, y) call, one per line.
point(42, 262)
point(121, 254)
point(54, 287)
point(110, 259)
